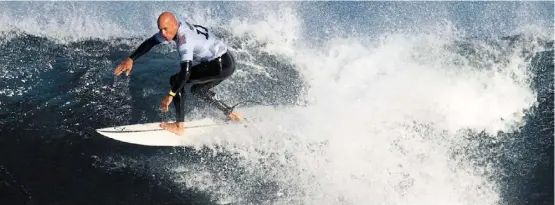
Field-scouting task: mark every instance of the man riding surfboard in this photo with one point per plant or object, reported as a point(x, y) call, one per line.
point(204, 60)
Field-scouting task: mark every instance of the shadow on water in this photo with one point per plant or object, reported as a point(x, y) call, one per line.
point(62, 172)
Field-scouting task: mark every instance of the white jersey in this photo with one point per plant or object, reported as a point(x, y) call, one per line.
point(195, 43)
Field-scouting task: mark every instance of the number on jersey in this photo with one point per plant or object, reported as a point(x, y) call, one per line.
point(204, 32)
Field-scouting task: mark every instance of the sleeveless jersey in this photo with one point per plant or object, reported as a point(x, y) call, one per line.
point(195, 43)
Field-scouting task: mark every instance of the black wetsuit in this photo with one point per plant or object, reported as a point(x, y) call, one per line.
point(203, 77)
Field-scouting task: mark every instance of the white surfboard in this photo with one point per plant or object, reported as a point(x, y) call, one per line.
point(151, 134)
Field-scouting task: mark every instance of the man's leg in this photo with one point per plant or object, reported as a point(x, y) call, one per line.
point(203, 92)
point(204, 77)
point(208, 75)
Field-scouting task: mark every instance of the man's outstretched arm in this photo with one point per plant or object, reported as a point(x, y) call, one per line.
point(127, 64)
point(144, 47)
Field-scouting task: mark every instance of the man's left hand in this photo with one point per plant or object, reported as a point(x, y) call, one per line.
point(166, 101)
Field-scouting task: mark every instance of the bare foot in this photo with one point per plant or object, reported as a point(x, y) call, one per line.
point(233, 116)
point(177, 128)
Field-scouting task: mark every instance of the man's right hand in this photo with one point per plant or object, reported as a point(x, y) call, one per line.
point(125, 65)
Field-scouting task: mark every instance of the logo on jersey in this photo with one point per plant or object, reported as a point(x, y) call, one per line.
point(181, 40)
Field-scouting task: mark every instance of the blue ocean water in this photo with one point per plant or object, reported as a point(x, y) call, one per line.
point(371, 103)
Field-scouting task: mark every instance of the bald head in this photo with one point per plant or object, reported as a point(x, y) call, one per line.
point(168, 25)
point(166, 18)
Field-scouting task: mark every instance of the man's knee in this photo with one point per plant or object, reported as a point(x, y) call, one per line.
point(198, 89)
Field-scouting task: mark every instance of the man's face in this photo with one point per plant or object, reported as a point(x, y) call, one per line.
point(168, 29)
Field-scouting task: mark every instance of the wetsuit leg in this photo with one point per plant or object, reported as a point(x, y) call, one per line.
point(204, 77)
point(208, 76)
point(178, 101)
point(203, 92)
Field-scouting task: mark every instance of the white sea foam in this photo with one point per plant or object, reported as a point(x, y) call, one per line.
point(382, 124)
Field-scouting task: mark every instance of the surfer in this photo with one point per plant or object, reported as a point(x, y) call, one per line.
point(204, 60)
